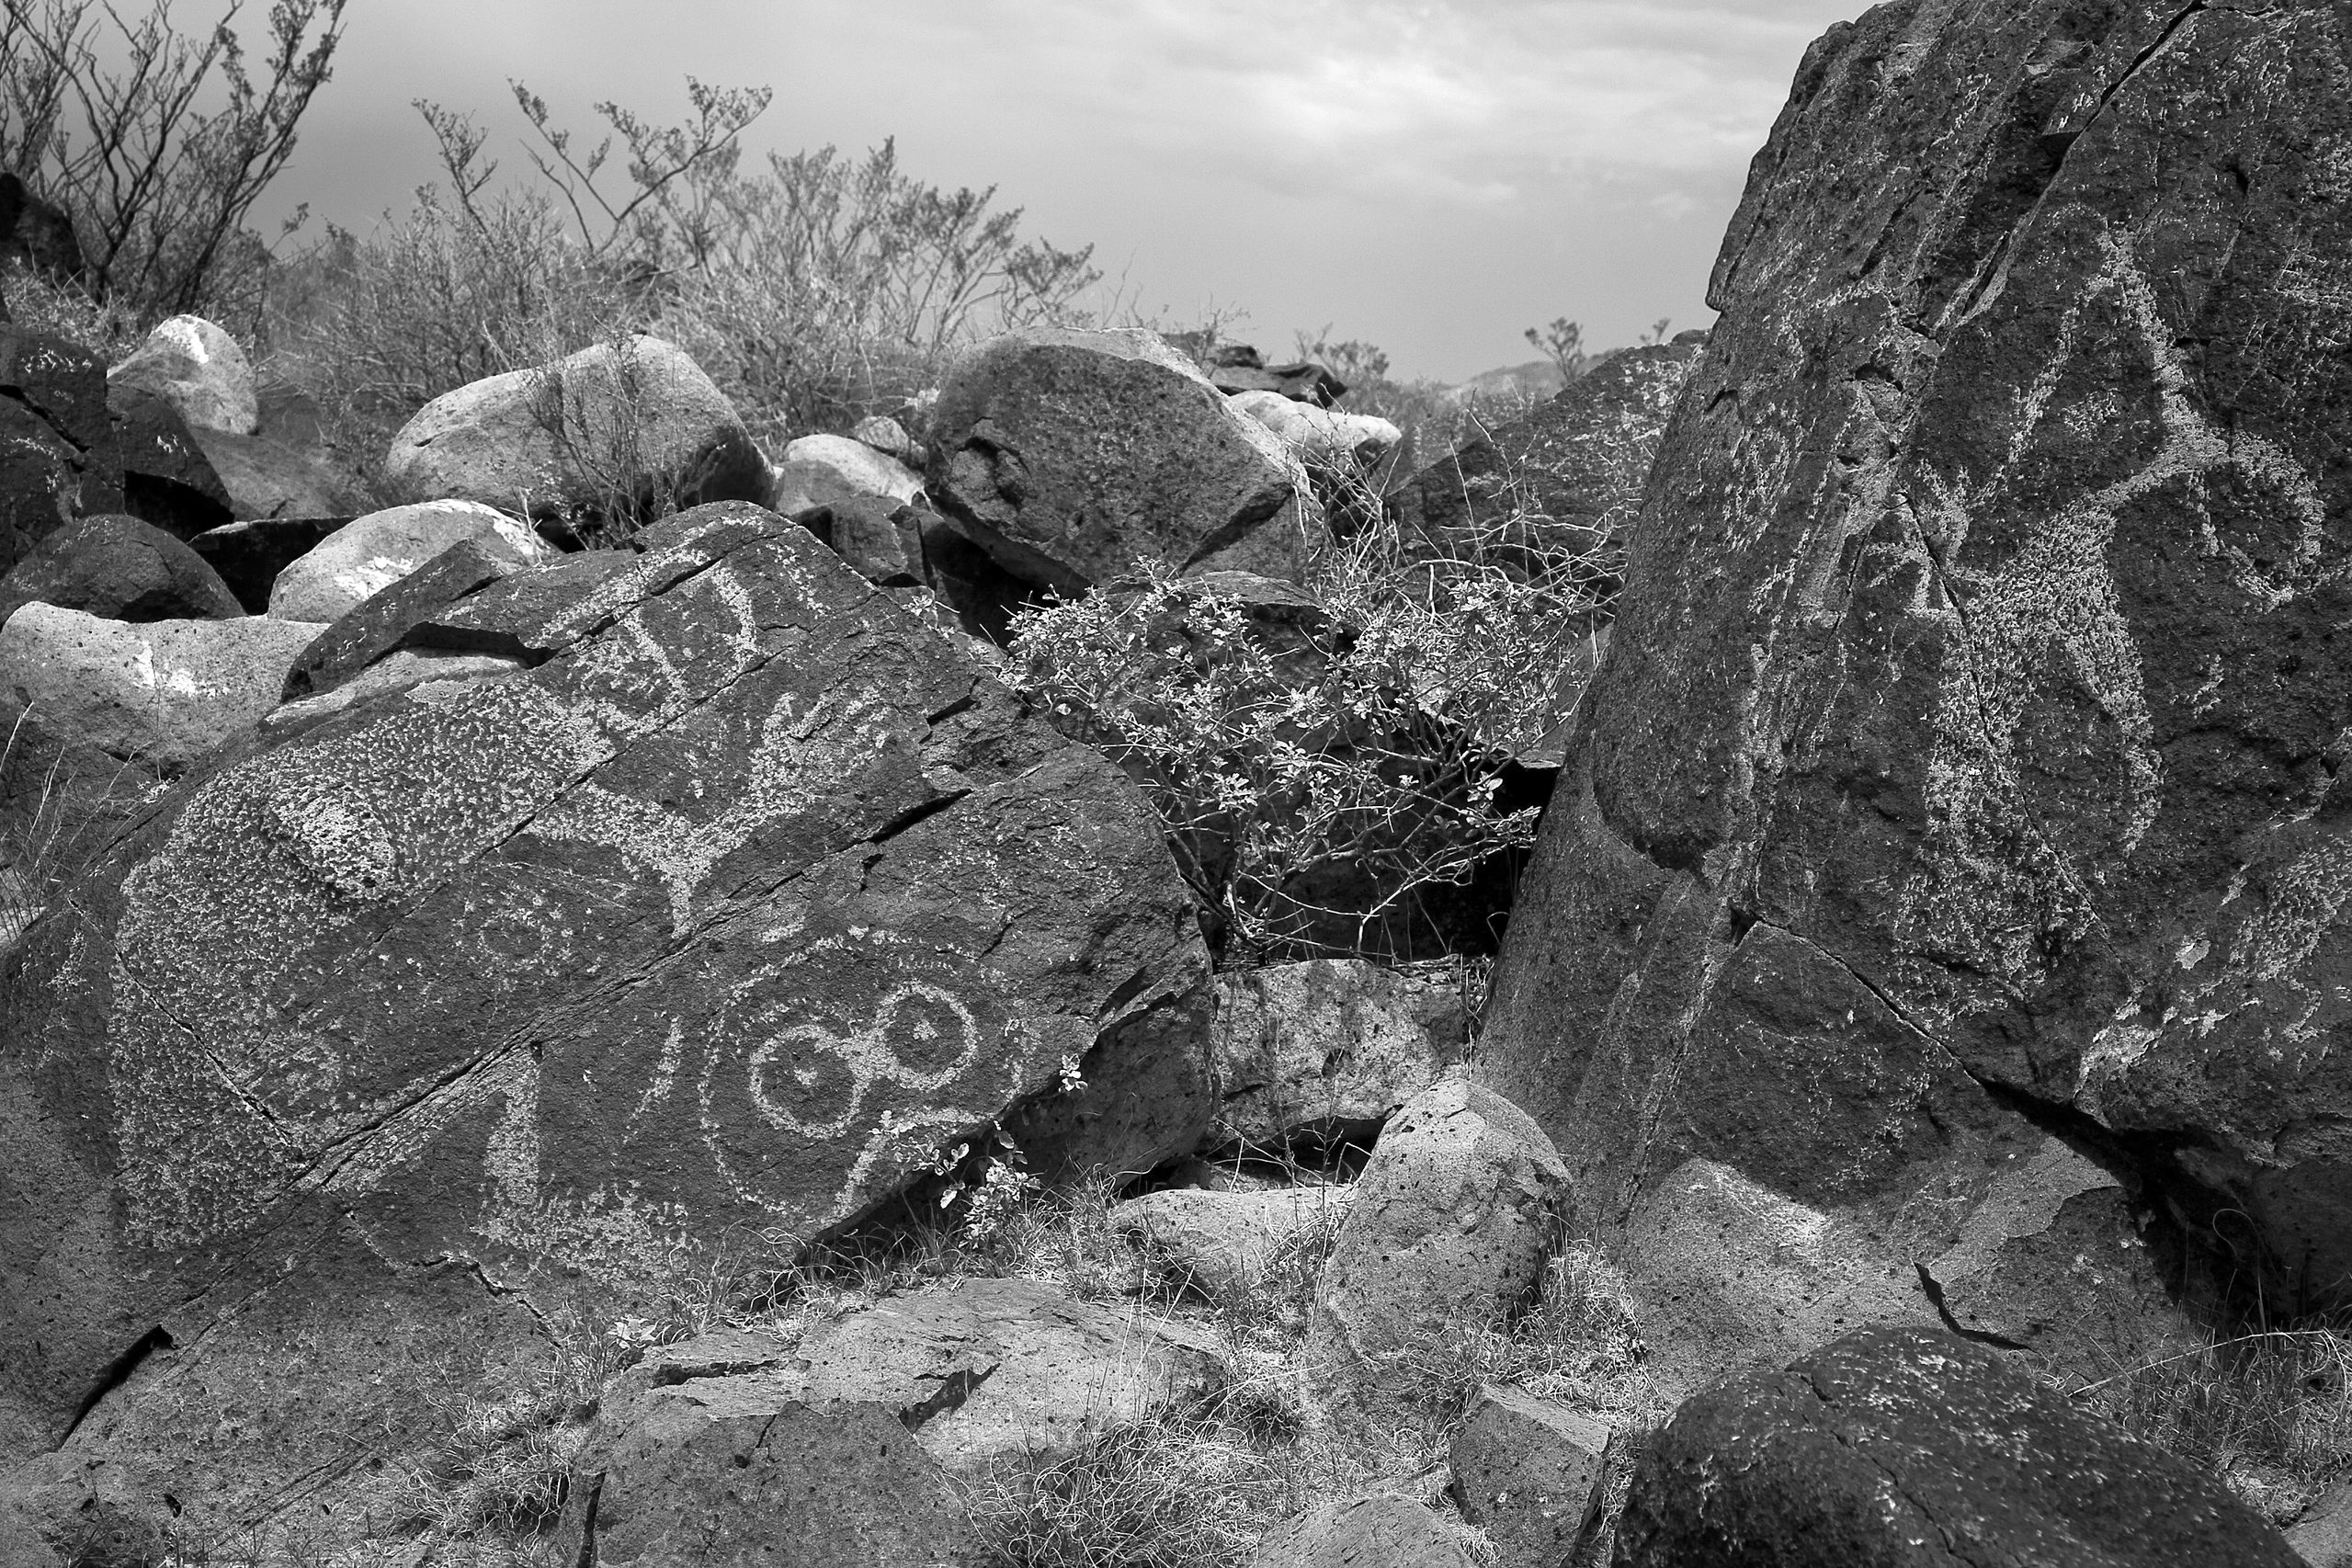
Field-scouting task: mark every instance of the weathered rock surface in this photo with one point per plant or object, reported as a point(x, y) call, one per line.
point(1071, 455)
point(164, 693)
point(815, 470)
point(2322, 1537)
point(1898, 1446)
point(250, 556)
point(199, 369)
point(880, 538)
point(891, 438)
point(1224, 1243)
point(371, 553)
point(1330, 1046)
point(268, 477)
point(742, 1477)
point(605, 434)
point(397, 671)
point(1326, 440)
point(119, 568)
point(1968, 741)
point(1530, 1473)
point(166, 478)
point(1378, 1530)
point(374, 627)
point(57, 454)
point(722, 919)
point(1452, 1220)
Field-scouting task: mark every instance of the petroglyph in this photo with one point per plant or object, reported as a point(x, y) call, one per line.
point(2046, 626)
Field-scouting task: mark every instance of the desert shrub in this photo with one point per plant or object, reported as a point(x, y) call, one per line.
point(158, 143)
point(2269, 1413)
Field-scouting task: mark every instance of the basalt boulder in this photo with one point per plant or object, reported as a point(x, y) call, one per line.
point(58, 457)
point(1944, 877)
point(121, 568)
point(716, 921)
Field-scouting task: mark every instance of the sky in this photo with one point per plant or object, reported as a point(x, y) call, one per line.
point(1433, 178)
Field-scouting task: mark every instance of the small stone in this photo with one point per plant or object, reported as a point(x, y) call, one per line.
point(1531, 1472)
point(1378, 1530)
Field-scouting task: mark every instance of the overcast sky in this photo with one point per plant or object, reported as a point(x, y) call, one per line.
point(1432, 177)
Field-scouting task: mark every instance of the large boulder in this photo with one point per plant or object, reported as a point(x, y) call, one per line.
point(199, 369)
point(1329, 1047)
point(375, 626)
point(1071, 455)
point(57, 458)
point(119, 568)
point(371, 553)
point(1453, 1219)
point(1327, 440)
point(607, 436)
point(710, 928)
point(1944, 877)
point(165, 694)
point(250, 556)
point(166, 478)
point(1891, 1448)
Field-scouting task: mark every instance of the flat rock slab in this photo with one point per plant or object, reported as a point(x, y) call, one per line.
point(167, 694)
point(166, 478)
point(724, 919)
point(1531, 1472)
point(1891, 1448)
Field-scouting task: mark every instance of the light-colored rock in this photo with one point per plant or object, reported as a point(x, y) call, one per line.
point(1453, 1218)
point(609, 433)
point(1530, 1473)
point(2322, 1537)
point(887, 436)
point(1226, 1243)
point(1378, 1530)
point(1323, 438)
point(1071, 455)
point(818, 469)
point(199, 369)
point(1330, 1045)
point(373, 552)
point(165, 693)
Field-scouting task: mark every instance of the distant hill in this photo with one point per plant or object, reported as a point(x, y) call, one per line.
point(1536, 379)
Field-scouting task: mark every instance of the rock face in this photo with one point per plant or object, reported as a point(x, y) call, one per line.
point(1967, 744)
point(745, 1479)
point(1451, 1223)
point(268, 477)
point(724, 916)
point(250, 556)
point(1224, 1244)
point(1376, 1530)
point(120, 569)
point(375, 626)
point(373, 552)
point(1328, 1046)
point(604, 433)
point(1071, 455)
point(166, 693)
point(1531, 1472)
point(1897, 1448)
point(166, 478)
point(58, 459)
point(199, 369)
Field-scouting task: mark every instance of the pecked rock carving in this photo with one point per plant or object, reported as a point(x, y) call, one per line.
point(720, 919)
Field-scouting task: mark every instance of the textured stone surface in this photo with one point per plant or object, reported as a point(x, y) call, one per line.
point(374, 626)
point(371, 553)
point(1452, 1220)
point(1331, 1045)
point(722, 920)
point(531, 614)
point(1973, 709)
point(880, 538)
point(166, 478)
point(268, 477)
point(250, 554)
point(1378, 1530)
point(122, 569)
point(35, 231)
point(199, 369)
point(604, 433)
point(1324, 438)
point(166, 693)
point(1897, 1448)
point(1531, 1472)
point(738, 1477)
point(1071, 455)
point(814, 470)
point(396, 671)
point(1224, 1243)
point(57, 454)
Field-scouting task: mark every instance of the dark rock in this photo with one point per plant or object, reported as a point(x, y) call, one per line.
point(1899, 1447)
point(968, 579)
point(739, 1478)
point(531, 614)
point(1530, 1473)
point(719, 922)
point(374, 627)
point(194, 365)
point(1243, 371)
point(1072, 455)
point(57, 453)
point(1965, 748)
point(1378, 1530)
point(1141, 1096)
point(166, 478)
point(119, 568)
point(1331, 1047)
point(250, 556)
point(880, 538)
point(266, 477)
point(36, 233)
